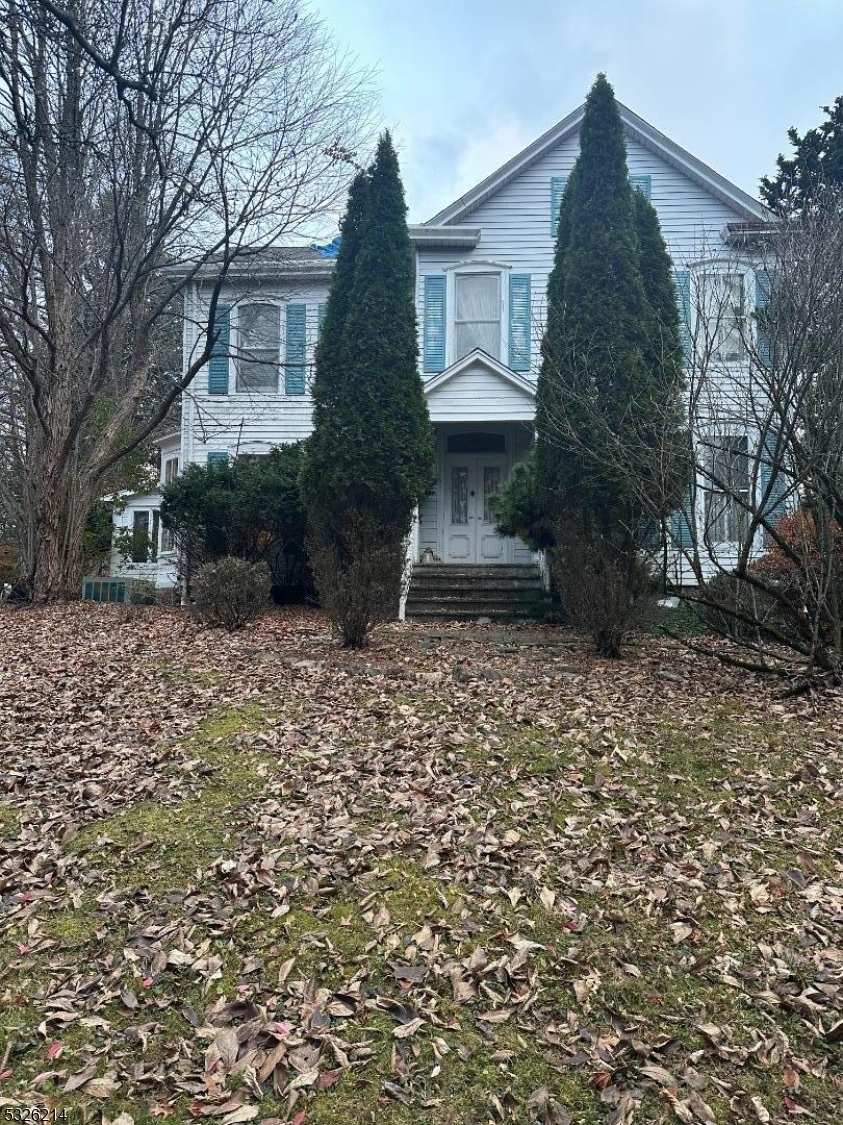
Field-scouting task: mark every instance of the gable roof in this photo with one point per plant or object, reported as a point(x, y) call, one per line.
point(635, 127)
point(479, 358)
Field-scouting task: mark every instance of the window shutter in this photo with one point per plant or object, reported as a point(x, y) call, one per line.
point(681, 523)
point(644, 184)
point(296, 348)
point(218, 363)
point(321, 309)
point(434, 323)
point(763, 293)
point(217, 460)
point(682, 282)
point(557, 190)
point(774, 478)
point(519, 321)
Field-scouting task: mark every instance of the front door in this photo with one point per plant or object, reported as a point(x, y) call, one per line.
point(470, 483)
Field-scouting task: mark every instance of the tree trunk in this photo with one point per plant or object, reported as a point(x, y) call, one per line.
point(59, 530)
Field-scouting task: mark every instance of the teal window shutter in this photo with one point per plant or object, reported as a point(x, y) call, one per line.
point(557, 190)
point(682, 282)
point(773, 480)
point(217, 460)
point(519, 321)
point(321, 309)
point(644, 184)
point(434, 323)
point(681, 523)
point(220, 351)
point(763, 293)
point(296, 348)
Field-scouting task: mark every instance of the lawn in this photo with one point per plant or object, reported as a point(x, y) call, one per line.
point(466, 876)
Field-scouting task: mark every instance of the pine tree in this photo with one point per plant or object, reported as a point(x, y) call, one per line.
point(371, 454)
point(816, 162)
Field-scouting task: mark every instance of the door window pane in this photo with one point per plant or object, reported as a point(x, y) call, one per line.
point(478, 313)
point(259, 339)
point(491, 484)
point(459, 494)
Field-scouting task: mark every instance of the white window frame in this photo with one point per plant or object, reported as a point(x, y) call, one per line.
point(236, 345)
point(717, 267)
point(732, 513)
point(480, 266)
point(166, 476)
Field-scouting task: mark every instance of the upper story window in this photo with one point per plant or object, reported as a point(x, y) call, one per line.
point(171, 469)
point(259, 347)
point(724, 303)
point(477, 316)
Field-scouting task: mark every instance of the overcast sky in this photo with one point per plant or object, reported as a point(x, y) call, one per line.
point(465, 84)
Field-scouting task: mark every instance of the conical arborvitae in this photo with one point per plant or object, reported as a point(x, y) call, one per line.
point(371, 455)
point(599, 323)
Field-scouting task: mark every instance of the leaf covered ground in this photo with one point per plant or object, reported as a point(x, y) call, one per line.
point(470, 876)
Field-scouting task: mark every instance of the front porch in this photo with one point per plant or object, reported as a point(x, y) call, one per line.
point(483, 417)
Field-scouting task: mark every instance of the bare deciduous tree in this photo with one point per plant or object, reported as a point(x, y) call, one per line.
point(136, 137)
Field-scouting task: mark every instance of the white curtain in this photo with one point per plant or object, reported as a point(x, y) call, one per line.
point(478, 314)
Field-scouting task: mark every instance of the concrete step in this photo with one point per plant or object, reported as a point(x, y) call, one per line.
point(435, 611)
point(480, 594)
point(441, 582)
point(457, 570)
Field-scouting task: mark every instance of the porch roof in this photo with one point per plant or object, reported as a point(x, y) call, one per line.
point(479, 388)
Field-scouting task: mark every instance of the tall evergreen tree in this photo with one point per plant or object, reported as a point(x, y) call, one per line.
point(609, 391)
point(371, 454)
point(816, 162)
point(599, 324)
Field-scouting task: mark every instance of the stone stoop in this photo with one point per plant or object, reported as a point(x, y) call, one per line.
point(440, 592)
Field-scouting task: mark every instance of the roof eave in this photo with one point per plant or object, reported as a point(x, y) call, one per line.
point(437, 237)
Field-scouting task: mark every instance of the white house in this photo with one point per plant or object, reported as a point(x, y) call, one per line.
point(482, 266)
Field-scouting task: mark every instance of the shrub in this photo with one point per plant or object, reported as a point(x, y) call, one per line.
point(231, 592)
point(359, 576)
point(733, 607)
point(604, 591)
point(251, 509)
point(519, 510)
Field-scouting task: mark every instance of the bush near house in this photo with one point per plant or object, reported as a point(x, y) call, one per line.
point(250, 509)
point(231, 592)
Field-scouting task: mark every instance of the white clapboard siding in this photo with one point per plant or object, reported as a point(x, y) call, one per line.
point(516, 227)
point(479, 395)
point(249, 422)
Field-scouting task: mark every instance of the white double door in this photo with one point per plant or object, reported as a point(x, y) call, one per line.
point(471, 481)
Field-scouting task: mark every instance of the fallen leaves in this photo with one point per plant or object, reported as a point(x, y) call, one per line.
point(392, 877)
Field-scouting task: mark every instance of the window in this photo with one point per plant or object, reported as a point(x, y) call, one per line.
point(144, 537)
point(478, 314)
point(723, 298)
point(728, 495)
point(171, 469)
point(259, 347)
point(476, 442)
